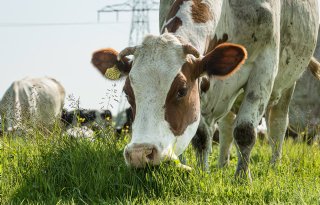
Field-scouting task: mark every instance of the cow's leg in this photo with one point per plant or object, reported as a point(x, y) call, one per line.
point(202, 142)
point(225, 138)
point(13, 113)
point(278, 122)
point(257, 94)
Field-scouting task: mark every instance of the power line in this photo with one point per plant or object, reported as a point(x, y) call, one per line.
point(57, 24)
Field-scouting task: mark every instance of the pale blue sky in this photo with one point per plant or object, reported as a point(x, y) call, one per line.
point(61, 51)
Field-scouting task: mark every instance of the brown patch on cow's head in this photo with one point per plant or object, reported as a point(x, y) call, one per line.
point(127, 89)
point(201, 12)
point(182, 104)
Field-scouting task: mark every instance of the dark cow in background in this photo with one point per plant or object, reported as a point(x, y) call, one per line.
point(93, 119)
point(32, 103)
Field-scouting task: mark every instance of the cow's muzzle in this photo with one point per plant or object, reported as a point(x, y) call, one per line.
point(141, 155)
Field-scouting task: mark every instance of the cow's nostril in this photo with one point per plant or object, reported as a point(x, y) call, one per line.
point(139, 155)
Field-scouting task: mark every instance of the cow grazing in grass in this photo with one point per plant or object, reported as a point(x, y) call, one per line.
point(94, 119)
point(271, 41)
point(32, 102)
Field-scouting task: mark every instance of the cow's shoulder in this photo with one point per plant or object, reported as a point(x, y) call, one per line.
point(254, 13)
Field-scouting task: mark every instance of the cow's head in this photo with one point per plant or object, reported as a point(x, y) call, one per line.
point(162, 88)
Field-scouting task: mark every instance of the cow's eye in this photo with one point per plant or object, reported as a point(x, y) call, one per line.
point(182, 92)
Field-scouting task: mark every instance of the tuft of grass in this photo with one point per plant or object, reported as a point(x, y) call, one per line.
point(56, 169)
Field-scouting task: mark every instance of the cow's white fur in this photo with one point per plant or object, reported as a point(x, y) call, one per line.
point(280, 38)
point(32, 101)
point(151, 98)
point(198, 34)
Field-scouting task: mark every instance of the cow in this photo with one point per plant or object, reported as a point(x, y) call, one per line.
point(32, 103)
point(257, 48)
point(304, 109)
point(91, 118)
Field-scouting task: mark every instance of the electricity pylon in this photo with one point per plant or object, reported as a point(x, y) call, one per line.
point(140, 16)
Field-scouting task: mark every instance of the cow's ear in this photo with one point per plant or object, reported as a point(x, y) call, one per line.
point(223, 61)
point(105, 60)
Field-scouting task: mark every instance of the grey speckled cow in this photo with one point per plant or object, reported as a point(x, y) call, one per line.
point(304, 110)
point(32, 102)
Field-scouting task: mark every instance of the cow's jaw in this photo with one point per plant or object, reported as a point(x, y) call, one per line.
point(183, 141)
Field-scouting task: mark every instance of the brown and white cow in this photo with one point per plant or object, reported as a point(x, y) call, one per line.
point(32, 102)
point(163, 79)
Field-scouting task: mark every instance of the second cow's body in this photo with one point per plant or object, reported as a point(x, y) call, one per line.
point(32, 102)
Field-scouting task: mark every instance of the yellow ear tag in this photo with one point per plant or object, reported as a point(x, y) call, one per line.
point(113, 73)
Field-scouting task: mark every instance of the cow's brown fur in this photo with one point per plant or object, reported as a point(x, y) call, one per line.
point(130, 96)
point(205, 84)
point(173, 26)
point(181, 112)
point(106, 58)
point(200, 12)
point(175, 8)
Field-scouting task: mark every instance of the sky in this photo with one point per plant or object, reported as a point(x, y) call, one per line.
point(57, 38)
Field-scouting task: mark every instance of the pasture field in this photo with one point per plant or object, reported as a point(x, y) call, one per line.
point(56, 169)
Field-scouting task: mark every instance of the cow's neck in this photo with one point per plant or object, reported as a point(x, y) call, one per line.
point(193, 25)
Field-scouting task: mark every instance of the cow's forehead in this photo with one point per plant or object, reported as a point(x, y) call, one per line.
point(159, 58)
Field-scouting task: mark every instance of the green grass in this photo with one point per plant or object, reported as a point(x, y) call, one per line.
point(56, 169)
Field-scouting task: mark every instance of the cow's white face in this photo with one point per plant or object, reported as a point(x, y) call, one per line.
point(164, 97)
point(163, 90)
